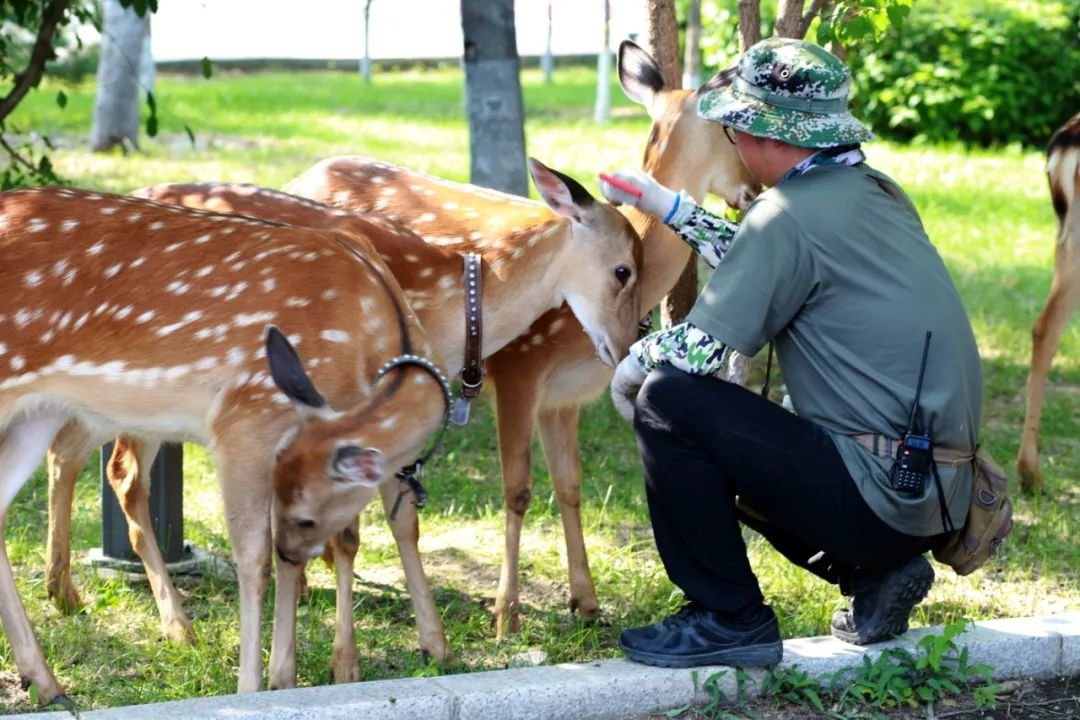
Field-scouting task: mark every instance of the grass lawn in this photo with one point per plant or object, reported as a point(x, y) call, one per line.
point(988, 212)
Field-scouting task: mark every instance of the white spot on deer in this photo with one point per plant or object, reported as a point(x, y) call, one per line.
point(297, 302)
point(206, 363)
point(134, 217)
point(203, 239)
point(246, 319)
point(204, 271)
point(177, 371)
point(81, 321)
point(426, 217)
point(171, 247)
point(204, 333)
point(108, 211)
point(378, 179)
point(96, 249)
point(537, 339)
point(156, 225)
point(388, 422)
point(329, 294)
point(341, 197)
point(93, 196)
point(25, 317)
point(17, 362)
point(145, 317)
point(388, 190)
point(32, 278)
point(236, 290)
point(3, 349)
point(177, 287)
point(471, 214)
point(235, 356)
point(48, 336)
point(113, 269)
point(137, 262)
point(269, 284)
point(409, 257)
point(218, 291)
point(124, 312)
point(337, 336)
point(476, 235)
point(182, 322)
point(36, 225)
point(295, 338)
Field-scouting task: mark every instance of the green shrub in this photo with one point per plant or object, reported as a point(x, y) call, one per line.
point(982, 72)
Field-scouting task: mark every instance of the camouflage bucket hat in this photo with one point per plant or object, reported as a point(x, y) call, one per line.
point(788, 90)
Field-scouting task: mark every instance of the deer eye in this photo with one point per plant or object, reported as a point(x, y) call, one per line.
point(622, 274)
point(304, 523)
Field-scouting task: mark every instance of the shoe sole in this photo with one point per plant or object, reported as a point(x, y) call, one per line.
point(749, 656)
point(906, 593)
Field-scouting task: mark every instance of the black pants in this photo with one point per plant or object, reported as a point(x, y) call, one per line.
point(705, 442)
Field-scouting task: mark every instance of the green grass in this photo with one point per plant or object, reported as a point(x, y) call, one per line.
point(989, 214)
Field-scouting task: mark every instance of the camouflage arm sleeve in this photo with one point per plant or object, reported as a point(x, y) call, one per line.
point(682, 346)
point(708, 234)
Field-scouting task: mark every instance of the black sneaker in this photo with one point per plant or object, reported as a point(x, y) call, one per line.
point(697, 636)
point(883, 603)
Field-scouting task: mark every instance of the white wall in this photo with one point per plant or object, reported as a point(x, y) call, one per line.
point(223, 29)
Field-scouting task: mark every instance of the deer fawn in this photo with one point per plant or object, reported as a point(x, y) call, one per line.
point(550, 371)
point(125, 316)
point(579, 249)
point(1063, 172)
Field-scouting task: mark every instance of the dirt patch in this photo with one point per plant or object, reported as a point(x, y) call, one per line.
point(1053, 699)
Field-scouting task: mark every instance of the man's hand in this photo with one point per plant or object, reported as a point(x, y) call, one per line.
point(655, 199)
point(629, 377)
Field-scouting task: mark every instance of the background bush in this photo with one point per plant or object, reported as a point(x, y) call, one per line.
point(981, 72)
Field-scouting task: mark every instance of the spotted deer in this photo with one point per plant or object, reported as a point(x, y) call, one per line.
point(126, 316)
point(544, 376)
point(1063, 173)
point(574, 248)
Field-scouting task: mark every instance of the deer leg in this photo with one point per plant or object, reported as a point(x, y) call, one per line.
point(245, 486)
point(23, 444)
point(283, 645)
point(516, 406)
point(343, 548)
point(559, 436)
point(128, 473)
point(406, 530)
point(66, 458)
point(1045, 337)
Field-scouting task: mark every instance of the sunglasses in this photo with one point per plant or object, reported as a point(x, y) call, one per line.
point(729, 133)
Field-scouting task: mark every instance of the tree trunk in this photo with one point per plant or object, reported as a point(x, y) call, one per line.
point(663, 45)
point(116, 105)
point(663, 42)
point(365, 62)
point(792, 22)
point(547, 63)
point(493, 96)
point(749, 23)
point(603, 72)
point(692, 59)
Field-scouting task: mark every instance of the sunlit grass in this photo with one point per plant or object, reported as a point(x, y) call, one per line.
point(988, 213)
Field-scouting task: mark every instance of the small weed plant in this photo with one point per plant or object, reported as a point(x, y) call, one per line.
point(897, 677)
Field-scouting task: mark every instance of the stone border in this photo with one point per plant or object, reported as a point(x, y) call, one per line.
point(604, 690)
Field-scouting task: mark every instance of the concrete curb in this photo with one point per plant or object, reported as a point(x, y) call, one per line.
point(604, 690)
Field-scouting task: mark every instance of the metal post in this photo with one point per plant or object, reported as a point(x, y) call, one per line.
point(166, 507)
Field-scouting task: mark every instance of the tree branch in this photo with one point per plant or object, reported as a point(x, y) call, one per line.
point(42, 53)
point(816, 8)
point(14, 155)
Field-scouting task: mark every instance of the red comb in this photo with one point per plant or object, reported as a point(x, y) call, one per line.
point(620, 184)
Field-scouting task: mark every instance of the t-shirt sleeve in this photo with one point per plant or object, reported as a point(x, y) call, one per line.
point(762, 283)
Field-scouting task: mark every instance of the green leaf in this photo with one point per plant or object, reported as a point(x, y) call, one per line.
point(190, 135)
point(207, 68)
point(151, 126)
point(61, 99)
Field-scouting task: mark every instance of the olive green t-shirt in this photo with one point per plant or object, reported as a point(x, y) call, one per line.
point(836, 266)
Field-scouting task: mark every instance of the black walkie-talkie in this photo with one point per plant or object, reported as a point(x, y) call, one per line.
point(915, 452)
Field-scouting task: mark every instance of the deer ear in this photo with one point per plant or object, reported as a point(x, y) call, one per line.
point(639, 74)
point(562, 193)
point(288, 373)
point(356, 465)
